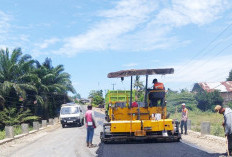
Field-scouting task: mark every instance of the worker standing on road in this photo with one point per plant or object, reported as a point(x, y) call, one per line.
point(227, 112)
point(90, 124)
point(184, 119)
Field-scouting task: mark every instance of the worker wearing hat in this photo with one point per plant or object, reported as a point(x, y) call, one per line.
point(184, 119)
point(227, 112)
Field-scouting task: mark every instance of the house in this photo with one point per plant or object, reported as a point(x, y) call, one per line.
point(225, 89)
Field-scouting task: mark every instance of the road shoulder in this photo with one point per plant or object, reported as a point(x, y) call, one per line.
point(208, 143)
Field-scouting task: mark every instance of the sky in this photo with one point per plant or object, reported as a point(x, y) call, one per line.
point(94, 37)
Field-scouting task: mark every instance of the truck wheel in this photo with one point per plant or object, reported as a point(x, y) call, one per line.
point(63, 126)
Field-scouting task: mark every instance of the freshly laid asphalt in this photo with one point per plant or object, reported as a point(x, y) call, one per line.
point(141, 149)
point(175, 149)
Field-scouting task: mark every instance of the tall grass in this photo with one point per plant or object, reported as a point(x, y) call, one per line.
point(2, 134)
point(198, 116)
point(17, 130)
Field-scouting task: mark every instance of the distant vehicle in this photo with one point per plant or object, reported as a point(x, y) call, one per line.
point(71, 114)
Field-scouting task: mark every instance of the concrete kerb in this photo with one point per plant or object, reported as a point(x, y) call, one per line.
point(9, 131)
point(44, 123)
point(6, 140)
point(205, 128)
point(36, 126)
point(25, 128)
point(51, 121)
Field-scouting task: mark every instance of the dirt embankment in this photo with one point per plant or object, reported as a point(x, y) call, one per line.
point(209, 143)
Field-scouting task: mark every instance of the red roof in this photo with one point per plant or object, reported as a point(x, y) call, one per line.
point(220, 86)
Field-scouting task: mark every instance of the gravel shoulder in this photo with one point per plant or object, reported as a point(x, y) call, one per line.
point(208, 143)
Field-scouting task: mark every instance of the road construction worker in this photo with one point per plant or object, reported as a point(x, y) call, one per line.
point(158, 85)
point(135, 104)
point(184, 119)
point(227, 112)
point(90, 125)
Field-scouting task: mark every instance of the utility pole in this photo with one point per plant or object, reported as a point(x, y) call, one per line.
point(113, 85)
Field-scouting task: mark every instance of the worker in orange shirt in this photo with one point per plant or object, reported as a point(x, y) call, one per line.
point(158, 85)
point(184, 119)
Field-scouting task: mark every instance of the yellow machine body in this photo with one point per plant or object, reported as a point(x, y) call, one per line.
point(126, 113)
point(125, 119)
point(135, 125)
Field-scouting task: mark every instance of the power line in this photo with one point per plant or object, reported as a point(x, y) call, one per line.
point(205, 48)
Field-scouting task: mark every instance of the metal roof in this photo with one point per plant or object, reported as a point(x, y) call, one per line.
point(220, 86)
point(134, 72)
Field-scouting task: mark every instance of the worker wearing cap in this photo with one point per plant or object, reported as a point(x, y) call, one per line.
point(184, 119)
point(227, 112)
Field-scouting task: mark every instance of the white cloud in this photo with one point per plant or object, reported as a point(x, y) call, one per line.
point(185, 75)
point(124, 18)
point(3, 47)
point(137, 25)
point(192, 11)
point(204, 70)
point(4, 22)
point(46, 43)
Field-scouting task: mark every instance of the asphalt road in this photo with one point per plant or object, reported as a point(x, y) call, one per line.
point(70, 142)
point(151, 150)
point(141, 149)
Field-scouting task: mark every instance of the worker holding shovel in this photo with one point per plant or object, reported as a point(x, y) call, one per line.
point(227, 112)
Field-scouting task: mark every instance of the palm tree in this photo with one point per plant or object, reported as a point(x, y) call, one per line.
point(139, 86)
point(52, 86)
point(43, 85)
point(15, 75)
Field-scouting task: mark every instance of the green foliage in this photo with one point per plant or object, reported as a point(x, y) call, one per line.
point(139, 92)
point(97, 97)
point(43, 87)
point(175, 99)
point(229, 104)
point(230, 76)
point(198, 116)
point(138, 84)
point(2, 134)
point(17, 130)
point(10, 116)
point(78, 96)
point(208, 100)
point(217, 130)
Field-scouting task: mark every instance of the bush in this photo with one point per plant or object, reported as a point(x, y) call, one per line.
point(2, 134)
point(208, 100)
point(97, 97)
point(10, 116)
point(175, 99)
point(217, 130)
point(17, 130)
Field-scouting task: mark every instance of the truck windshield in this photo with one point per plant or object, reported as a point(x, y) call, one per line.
point(69, 110)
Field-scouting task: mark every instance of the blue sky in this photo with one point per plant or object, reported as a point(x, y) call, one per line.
point(94, 37)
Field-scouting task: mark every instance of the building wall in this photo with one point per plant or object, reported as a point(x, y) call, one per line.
point(227, 96)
